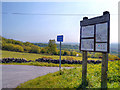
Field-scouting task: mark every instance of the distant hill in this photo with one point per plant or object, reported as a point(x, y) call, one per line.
point(40, 48)
point(67, 48)
point(19, 46)
point(75, 46)
point(64, 46)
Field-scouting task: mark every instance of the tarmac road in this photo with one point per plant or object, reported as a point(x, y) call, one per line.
point(13, 75)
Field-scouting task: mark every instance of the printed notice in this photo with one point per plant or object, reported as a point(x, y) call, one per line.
point(88, 31)
point(101, 47)
point(101, 32)
point(87, 44)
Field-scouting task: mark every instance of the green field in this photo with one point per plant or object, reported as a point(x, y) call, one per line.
point(32, 56)
point(72, 78)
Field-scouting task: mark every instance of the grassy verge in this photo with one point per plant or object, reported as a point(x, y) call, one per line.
point(72, 78)
point(43, 64)
point(32, 56)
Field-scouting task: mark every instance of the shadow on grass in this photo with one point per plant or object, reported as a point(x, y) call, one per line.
point(83, 86)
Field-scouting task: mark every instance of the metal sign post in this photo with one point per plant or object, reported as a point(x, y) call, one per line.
point(95, 37)
point(60, 39)
point(60, 57)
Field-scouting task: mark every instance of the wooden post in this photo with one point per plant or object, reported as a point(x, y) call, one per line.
point(84, 69)
point(104, 70)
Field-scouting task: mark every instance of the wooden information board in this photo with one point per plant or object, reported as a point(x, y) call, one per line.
point(95, 33)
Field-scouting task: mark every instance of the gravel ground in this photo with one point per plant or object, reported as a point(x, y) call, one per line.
point(13, 75)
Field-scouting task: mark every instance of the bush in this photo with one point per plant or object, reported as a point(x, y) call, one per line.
point(80, 55)
point(70, 58)
point(35, 49)
point(12, 47)
point(27, 48)
point(62, 52)
point(112, 57)
point(47, 57)
point(97, 55)
point(18, 48)
point(43, 50)
point(9, 47)
point(46, 49)
point(73, 53)
point(27, 44)
point(67, 53)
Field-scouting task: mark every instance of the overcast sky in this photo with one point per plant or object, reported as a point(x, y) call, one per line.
point(41, 21)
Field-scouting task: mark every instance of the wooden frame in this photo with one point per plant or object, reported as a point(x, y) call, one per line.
point(105, 18)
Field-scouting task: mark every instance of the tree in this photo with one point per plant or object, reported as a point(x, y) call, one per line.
point(26, 48)
point(9, 47)
point(12, 47)
point(46, 49)
point(28, 44)
point(62, 52)
point(18, 43)
point(43, 50)
point(35, 49)
point(18, 48)
point(52, 47)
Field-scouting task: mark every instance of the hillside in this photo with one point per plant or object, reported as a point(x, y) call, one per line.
point(19, 46)
point(41, 48)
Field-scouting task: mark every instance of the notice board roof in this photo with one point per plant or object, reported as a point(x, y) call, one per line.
point(100, 19)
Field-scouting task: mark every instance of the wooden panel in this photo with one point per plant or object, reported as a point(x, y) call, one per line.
point(99, 23)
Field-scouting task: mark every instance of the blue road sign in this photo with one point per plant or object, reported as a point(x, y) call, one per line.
point(60, 38)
